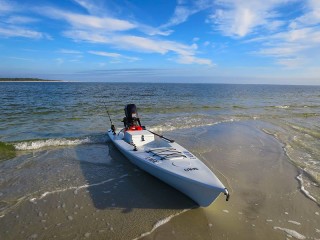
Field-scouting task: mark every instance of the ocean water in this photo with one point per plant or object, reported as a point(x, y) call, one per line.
point(44, 126)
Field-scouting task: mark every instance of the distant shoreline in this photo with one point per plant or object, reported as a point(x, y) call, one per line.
point(27, 80)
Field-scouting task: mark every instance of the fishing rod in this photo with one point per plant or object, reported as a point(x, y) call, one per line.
point(113, 128)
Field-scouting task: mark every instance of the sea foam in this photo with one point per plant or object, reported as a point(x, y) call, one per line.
point(160, 223)
point(291, 232)
point(34, 200)
point(55, 142)
point(282, 106)
point(305, 192)
point(77, 188)
point(186, 123)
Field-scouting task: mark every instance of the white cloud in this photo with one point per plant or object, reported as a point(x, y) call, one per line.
point(304, 35)
point(20, 20)
point(22, 59)
point(6, 7)
point(190, 59)
point(206, 43)
point(281, 50)
point(10, 25)
point(106, 30)
point(141, 44)
point(90, 6)
point(289, 41)
point(238, 18)
point(81, 21)
point(75, 55)
point(99, 7)
point(274, 25)
point(186, 53)
point(89, 36)
point(290, 62)
point(311, 16)
point(105, 54)
point(68, 51)
point(10, 31)
point(115, 56)
point(151, 31)
point(181, 14)
point(185, 9)
point(293, 47)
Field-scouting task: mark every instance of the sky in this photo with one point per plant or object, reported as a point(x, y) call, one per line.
point(215, 41)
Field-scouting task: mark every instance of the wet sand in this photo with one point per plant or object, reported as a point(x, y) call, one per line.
point(92, 192)
point(266, 202)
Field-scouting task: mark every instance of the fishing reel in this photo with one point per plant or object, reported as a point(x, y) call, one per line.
point(113, 129)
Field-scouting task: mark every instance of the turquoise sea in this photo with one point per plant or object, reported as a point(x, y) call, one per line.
point(43, 124)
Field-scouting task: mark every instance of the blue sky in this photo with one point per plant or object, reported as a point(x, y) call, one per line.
point(219, 41)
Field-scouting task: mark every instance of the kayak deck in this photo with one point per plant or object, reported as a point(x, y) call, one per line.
point(166, 153)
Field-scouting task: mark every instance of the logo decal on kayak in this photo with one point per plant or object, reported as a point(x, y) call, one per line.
point(153, 160)
point(190, 169)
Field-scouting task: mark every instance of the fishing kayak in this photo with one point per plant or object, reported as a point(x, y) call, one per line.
point(169, 162)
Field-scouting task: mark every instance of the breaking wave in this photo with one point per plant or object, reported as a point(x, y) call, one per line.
point(56, 142)
point(303, 189)
point(188, 122)
point(300, 144)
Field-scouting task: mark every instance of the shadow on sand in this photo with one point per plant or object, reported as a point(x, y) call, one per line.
point(113, 182)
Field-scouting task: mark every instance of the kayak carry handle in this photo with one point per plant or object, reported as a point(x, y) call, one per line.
point(226, 192)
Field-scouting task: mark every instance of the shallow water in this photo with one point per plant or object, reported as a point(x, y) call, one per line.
point(66, 173)
point(37, 115)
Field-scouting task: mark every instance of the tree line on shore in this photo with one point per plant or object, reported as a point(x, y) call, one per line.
point(26, 80)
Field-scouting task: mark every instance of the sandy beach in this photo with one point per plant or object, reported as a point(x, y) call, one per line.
point(266, 202)
point(109, 198)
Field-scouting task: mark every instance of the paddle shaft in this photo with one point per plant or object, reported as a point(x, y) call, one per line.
point(162, 136)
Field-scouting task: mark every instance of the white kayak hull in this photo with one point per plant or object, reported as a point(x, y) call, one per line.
point(171, 163)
